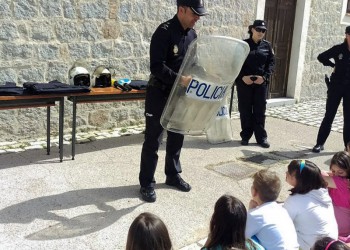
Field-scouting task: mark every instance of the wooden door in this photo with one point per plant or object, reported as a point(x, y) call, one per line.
point(279, 15)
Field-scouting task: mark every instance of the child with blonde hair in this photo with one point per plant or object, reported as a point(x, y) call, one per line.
point(268, 222)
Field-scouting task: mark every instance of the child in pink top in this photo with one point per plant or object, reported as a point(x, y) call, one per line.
point(339, 191)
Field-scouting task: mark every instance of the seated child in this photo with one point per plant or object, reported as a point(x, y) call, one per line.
point(227, 226)
point(327, 243)
point(309, 204)
point(339, 191)
point(267, 221)
point(148, 232)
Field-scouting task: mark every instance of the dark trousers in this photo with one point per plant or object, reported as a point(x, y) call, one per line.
point(154, 105)
point(334, 95)
point(252, 107)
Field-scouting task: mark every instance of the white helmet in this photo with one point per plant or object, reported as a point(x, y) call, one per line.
point(79, 76)
point(101, 77)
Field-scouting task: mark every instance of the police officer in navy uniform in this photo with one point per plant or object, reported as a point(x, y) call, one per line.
point(252, 84)
point(338, 88)
point(168, 47)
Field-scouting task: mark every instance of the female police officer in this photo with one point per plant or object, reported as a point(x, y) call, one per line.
point(338, 88)
point(252, 85)
point(168, 47)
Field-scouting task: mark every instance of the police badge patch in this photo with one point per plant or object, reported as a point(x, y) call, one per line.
point(175, 50)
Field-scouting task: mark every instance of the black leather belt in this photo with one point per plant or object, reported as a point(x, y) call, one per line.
point(154, 82)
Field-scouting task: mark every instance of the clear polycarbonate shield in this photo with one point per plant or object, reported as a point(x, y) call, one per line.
point(213, 62)
point(220, 129)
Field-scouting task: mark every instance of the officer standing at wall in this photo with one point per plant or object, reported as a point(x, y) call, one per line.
point(252, 84)
point(168, 47)
point(339, 88)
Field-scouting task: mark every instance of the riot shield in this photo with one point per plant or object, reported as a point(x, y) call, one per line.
point(220, 129)
point(213, 62)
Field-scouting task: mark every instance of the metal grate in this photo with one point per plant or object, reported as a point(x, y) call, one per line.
point(288, 154)
point(235, 170)
point(263, 159)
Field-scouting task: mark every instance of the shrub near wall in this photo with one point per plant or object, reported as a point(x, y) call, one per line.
point(41, 39)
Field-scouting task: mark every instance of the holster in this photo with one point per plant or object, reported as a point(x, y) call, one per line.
point(154, 82)
point(327, 80)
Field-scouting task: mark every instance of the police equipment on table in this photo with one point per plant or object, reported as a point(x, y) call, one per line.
point(125, 82)
point(101, 78)
point(79, 76)
point(52, 87)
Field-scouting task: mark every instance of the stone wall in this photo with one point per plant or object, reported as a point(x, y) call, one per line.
point(41, 39)
point(324, 32)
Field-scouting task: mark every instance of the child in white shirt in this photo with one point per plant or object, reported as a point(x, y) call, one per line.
point(309, 204)
point(268, 222)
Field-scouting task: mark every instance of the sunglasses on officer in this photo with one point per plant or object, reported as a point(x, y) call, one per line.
point(260, 30)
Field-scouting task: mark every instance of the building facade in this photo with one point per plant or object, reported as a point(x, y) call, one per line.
point(40, 40)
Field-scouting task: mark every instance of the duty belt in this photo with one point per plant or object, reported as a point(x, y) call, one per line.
point(154, 82)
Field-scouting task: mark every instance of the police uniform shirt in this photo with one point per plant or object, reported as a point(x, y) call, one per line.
point(260, 60)
point(341, 56)
point(168, 47)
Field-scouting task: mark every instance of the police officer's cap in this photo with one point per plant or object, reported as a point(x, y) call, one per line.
point(347, 30)
point(197, 6)
point(259, 24)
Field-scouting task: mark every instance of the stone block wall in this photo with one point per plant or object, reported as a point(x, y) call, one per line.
point(324, 31)
point(41, 39)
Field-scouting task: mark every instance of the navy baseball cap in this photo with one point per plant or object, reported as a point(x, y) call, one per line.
point(197, 6)
point(259, 24)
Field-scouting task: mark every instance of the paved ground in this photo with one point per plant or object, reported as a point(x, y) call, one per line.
point(89, 203)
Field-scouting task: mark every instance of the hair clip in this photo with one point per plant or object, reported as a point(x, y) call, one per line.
point(302, 165)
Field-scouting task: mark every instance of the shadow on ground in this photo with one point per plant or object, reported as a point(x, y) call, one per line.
point(49, 208)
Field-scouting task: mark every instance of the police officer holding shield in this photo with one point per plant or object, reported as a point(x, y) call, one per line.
point(168, 47)
point(252, 85)
point(338, 88)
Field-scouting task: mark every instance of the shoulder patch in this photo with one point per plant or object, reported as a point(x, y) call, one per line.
point(270, 45)
point(266, 41)
point(165, 25)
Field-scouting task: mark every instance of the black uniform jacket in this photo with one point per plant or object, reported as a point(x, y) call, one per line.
point(168, 48)
point(260, 60)
point(341, 56)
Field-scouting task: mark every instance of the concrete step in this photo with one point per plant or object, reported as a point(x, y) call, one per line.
point(283, 101)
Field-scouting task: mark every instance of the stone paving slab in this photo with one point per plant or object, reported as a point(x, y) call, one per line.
point(89, 203)
point(309, 113)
